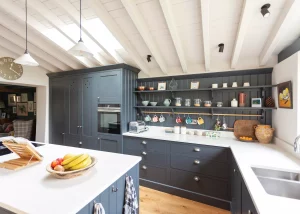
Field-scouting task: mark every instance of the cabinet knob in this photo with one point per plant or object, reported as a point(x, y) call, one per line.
point(249, 212)
point(234, 170)
point(144, 153)
point(63, 133)
point(196, 162)
point(98, 138)
point(144, 167)
point(80, 143)
point(113, 189)
point(197, 149)
point(144, 142)
point(196, 178)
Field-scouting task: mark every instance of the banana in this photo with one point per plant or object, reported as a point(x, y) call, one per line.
point(70, 159)
point(82, 164)
point(76, 161)
point(67, 156)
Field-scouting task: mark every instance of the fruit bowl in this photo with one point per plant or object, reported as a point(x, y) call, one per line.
point(73, 173)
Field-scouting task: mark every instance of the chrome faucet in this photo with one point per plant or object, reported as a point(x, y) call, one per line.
point(297, 145)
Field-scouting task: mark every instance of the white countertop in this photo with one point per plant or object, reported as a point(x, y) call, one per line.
point(33, 190)
point(246, 155)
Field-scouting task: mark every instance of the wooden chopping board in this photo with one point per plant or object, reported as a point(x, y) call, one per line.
point(245, 128)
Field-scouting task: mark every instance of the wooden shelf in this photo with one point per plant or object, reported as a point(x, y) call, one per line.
point(208, 89)
point(202, 107)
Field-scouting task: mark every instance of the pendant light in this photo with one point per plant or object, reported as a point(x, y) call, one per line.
point(26, 59)
point(80, 49)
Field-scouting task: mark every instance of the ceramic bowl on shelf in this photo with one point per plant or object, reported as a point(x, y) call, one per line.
point(153, 103)
point(151, 88)
point(145, 103)
point(141, 88)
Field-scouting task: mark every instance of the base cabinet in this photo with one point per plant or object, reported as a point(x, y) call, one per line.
point(109, 143)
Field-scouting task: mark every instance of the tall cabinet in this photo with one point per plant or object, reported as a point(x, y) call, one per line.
point(74, 99)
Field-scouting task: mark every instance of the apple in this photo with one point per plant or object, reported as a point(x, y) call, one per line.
point(54, 164)
point(60, 160)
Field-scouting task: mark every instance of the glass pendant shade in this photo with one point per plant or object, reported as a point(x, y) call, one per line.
point(80, 50)
point(26, 59)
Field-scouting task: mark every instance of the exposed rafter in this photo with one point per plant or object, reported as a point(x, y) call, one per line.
point(113, 27)
point(16, 50)
point(19, 41)
point(141, 26)
point(278, 29)
point(169, 16)
point(205, 31)
point(245, 19)
point(74, 15)
point(37, 37)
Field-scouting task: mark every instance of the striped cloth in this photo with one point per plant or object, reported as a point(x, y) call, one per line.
point(131, 203)
point(23, 128)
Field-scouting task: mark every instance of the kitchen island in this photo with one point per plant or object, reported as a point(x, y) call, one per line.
point(33, 190)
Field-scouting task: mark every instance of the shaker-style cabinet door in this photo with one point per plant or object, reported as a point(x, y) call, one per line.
point(236, 189)
point(110, 143)
point(109, 87)
point(58, 111)
point(247, 203)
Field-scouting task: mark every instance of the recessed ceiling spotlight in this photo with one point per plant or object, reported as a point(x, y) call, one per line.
point(264, 10)
point(221, 47)
point(149, 58)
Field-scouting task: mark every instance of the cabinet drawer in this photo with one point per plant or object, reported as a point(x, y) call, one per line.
point(151, 158)
point(199, 151)
point(200, 184)
point(152, 173)
point(145, 144)
point(201, 166)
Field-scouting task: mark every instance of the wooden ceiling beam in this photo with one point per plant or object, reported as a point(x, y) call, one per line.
point(74, 15)
point(13, 50)
point(169, 16)
point(279, 28)
point(205, 32)
point(116, 31)
point(37, 38)
point(245, 19)
point(144, 31)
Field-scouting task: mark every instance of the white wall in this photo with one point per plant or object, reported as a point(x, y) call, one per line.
point(36, 77)
point(286, 121)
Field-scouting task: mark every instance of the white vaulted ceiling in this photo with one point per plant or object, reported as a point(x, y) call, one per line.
point(181, 35)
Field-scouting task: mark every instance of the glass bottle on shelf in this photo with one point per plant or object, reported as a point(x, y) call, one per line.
point(187, 102)
point(178, 101)
point(197, 102)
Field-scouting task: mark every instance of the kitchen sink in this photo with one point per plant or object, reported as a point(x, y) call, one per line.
point(280, 183)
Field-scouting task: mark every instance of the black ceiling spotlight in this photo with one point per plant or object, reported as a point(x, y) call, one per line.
point(221, 47)
point(149, 58)
point(264, 10)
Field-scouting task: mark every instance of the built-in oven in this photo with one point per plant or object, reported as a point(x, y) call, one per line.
point(109, 118)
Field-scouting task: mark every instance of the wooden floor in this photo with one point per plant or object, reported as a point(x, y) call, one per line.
point(152, 202)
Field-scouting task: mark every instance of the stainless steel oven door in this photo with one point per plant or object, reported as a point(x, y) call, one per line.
point(109, 118)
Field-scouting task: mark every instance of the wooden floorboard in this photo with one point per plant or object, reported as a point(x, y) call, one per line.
point(155, 202)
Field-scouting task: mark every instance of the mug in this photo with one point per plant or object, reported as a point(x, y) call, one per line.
point(225, 85)
point(178, 120)
point(154, 119)
point(188, 120)
point(246, 84)
point(162, 118)
point(200, 121)
point(219, 104)
point(214, 85)
point(234, 84)
point(147, 118)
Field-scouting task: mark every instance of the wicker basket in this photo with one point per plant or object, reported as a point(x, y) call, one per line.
point(264, 133)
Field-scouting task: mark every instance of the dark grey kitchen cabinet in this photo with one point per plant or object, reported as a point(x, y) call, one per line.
point(109, 87)
point(109, 143)
point(236, 188)
point(247, 203)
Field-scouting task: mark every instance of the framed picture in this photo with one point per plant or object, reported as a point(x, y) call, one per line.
point(285, 98)
point(14, 110)
point(162, 86)
point(195, 85)
point(34, 97)
point(12, 100)
point(24, 97)
point(22, 109)
point(256, 102)
point(34, 106)
point(3, 115)
point(30, 106)
point(18, 99)
point(34, 112)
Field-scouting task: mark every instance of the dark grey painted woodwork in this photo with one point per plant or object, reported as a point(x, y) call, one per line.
point(113, 201)
point(143, 144)
point(289, 51)
point(247, 203)
point(109, 143)
point(258, 77)
point(153, 173)
point(236, 188)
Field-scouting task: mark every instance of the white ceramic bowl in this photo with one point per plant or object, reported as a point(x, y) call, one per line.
point(153, 103)
point(145, 103)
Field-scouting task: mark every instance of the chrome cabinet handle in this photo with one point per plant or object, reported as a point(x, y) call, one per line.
point(249, 212)
point(144, 142)
point(197, 149)
point(196, 162)
point(144, 153)
point(113, 189)
point(234, 170)
point(196, 178)
point(98, 138)
point(80, 143)
point(144, 167)
point(63, 133)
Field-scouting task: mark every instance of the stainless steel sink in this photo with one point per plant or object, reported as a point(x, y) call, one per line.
point(280, 183)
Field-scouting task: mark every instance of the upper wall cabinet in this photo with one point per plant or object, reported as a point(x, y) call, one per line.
point(109, 86)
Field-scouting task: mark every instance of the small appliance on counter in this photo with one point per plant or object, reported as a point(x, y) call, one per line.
point(137, 127)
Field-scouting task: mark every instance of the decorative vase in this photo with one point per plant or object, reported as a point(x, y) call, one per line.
point(264, 133)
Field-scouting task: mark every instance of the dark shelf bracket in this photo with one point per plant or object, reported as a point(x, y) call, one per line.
point(263, 114)
point(172, 95)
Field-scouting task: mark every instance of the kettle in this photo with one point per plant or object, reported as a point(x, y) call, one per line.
point(242, 100)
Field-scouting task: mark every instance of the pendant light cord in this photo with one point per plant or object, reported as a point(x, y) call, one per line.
point(26, 51)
